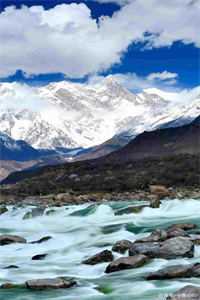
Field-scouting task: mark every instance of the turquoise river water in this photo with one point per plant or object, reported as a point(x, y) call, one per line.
point(81, 231)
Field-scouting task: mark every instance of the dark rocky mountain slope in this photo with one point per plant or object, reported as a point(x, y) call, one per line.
point(168, 156)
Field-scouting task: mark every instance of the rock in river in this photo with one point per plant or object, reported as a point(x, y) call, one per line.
point(104, 256)
point(39, 256)
point(170, 249)
point(3, 209)
point(50, 283)
point(177, 247)
point(187, 293)
point(176, 271)
point(11, 239)
point(125, 263)
point(35, 212)
point(122, 246)
point(42, 240)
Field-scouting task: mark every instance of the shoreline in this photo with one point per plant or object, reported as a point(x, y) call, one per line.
point(76, 198)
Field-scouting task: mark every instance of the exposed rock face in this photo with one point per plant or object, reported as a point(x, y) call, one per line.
point(11, 239)
point(187, 293)
point(125, 263)
point(55, 283)
point(169, 249)
point(104, 256)
point(122, 246)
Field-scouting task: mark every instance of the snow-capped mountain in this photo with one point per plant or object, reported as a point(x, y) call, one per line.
point(16, 150)
point(71, 115)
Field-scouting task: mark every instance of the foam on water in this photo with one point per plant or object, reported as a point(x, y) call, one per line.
point(81, 231)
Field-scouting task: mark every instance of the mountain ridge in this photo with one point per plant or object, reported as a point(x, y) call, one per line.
point(75, 115)
point(132, 167)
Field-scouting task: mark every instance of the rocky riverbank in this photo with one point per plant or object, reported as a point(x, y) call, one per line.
point(153, 195)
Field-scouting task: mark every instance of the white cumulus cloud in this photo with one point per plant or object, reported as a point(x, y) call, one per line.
point(134, 82)
point(165, 75)
point(67, 39)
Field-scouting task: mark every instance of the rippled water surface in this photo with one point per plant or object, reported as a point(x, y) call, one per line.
point(81, 231)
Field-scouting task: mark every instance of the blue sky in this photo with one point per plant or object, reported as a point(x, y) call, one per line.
point(120, 44)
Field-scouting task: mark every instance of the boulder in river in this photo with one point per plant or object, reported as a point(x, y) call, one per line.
point(3, 210)
point(177, 247)
point(176, 231)
point(171, 272)
point(124, 263)
point(157, 235)
point(35, 212)
point(176, 271)
point(189, 292)
point(12, 267)
point(39, 256)
point(184, 226)
point(50, 283)
point(104, 256)
point(155, 202)
point(11, 239)
point(169, 249)
point(42, 240)
point(122, 246)
point(149, 249)
point(130, 210)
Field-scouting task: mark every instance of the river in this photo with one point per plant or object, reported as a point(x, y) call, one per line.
point(80, 231)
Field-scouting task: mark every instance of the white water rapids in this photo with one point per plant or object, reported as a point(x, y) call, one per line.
point(79, 232)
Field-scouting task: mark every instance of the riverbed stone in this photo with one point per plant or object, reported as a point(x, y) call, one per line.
point(11, 239)
point(125, 263)
point(176, 231)
point(149, 249)
point(42, 240)
point(12, 267)
point(35, 212)
point(39, 256)
point(3, 210)
point(122, 246)
point(103, 256)
point(169, 249)
point(155, 201)
point(50, 283)
point(177, 247)
point(183, 226)
point(189, 292)
point(130, 210)
point(171, 272)
point(176, 271)
point(157, 235)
